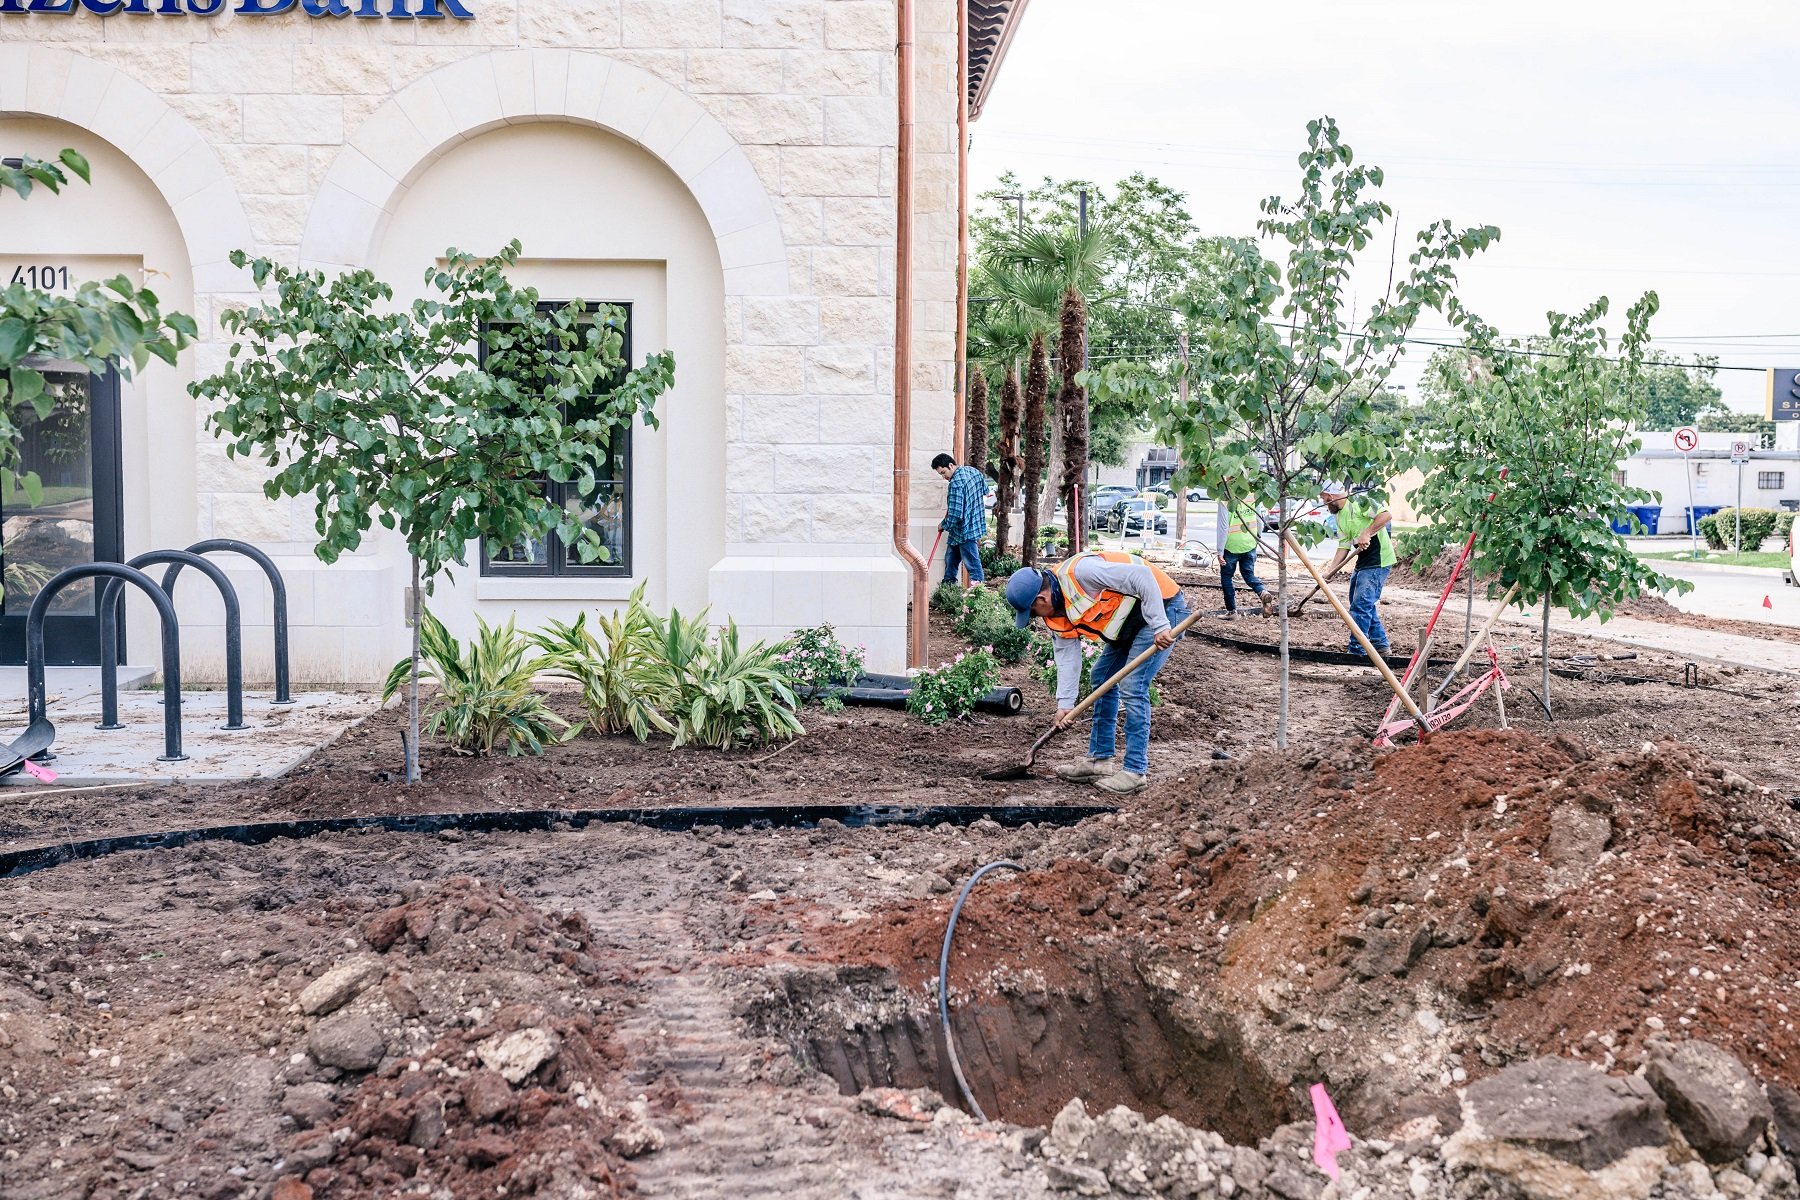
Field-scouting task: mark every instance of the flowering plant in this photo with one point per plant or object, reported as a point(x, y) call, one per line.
point(816, 662)
point(953, 689)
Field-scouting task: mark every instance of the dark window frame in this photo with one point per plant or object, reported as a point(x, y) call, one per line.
point(1771, 481)
point(561, 564)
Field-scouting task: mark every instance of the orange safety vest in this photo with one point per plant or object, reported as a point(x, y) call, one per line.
point(1102, 616)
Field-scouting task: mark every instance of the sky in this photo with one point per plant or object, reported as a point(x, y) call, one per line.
point(1620, 147)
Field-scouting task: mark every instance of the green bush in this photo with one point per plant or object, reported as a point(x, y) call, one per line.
point(952, 691)
point(484, 697)
point(625, 684)
point(816, 663)
point(726, 692)
point(947, 598)
point(985, 619)
point(996, 565)
point(1720, 529)
point(1784, 525)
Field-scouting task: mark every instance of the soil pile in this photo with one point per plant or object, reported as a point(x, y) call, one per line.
point(1403, 922)
point(455, 1041)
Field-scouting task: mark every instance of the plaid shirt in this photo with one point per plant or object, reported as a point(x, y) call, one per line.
point(965, 520)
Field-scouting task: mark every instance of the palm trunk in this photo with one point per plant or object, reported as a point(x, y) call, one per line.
point(976, 449)
point(412, 688)
point(1006, 460)
point(1037, 391)
point(1072, 409)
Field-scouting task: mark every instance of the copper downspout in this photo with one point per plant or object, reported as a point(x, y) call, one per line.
point(903, 305)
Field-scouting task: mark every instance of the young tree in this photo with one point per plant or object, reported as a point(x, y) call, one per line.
point(1037, 391)
point(976, 438)
point(1282, 376)
point(440, 420)
point(1007, 466)
point(1557, 415)
point(101, 324)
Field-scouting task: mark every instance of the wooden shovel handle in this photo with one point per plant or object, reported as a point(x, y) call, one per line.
point(1087, 701)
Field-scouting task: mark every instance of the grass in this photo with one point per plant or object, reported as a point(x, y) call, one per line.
point(1747, 559)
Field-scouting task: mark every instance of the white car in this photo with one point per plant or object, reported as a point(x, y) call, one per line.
point(1792, 575)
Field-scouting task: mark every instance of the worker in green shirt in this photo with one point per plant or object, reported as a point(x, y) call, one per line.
point(1242, 524)
point(1362, 529)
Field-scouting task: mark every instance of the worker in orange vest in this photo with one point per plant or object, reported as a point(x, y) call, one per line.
point(1126, 605)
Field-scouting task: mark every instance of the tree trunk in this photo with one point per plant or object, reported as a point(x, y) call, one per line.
point(1037, 391)
point(1006, 460)
point(1281, 587)
point(412, 687)
point(1072, 408)
point(977, 438)
point(1544, 650)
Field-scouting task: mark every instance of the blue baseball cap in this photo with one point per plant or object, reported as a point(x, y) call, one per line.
point(1022, 589)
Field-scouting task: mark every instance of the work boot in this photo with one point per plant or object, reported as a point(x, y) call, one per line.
point(1121, 783)
point(1228, 614)
point(1085, 770)
point(1268, 603)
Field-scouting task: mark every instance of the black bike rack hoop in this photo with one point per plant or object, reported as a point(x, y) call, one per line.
point(171, 644)
point(277, 589)
point(109, 635)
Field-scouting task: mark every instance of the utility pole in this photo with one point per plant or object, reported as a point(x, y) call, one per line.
point(1018, 199)
point(1181, 386)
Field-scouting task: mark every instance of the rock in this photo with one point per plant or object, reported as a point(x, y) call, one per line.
point(311, 1149)
point(486, 1096)
point(1429, 1021)
point(1083, 1181)
point(901, 1105)
point(1384, 952)
point(140, 1160)
point(1291, 1183)
point(635, 1135)
point(1069, 1130)
point(340, 985)
point(1557, 1129)
point(309, 1104)
point(1712, 1097)
point(427, 1123)
point(290, 1187)
point(1786, 1103)
point(348, 1041)
point(518, 1054)
point(486, 1149)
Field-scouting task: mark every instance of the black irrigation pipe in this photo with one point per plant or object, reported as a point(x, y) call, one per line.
point(944, 982)
point(891, 691)
point(541, 820)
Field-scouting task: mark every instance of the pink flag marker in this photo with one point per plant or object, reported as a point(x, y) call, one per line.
point(1330, 1138)
point(41, 774)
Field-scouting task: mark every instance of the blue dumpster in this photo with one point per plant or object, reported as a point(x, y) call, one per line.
point(1698, 513)
point(1624, 526)
point(1649, 514)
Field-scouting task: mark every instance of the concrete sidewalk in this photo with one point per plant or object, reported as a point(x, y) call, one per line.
point(1700, 645)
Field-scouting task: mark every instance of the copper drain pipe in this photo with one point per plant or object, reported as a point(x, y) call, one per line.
point(917, 627)
point(960, 438)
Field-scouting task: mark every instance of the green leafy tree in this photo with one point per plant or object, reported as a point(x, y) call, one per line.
point(1557, 415)
point(114, 323)
point(1282, 377)
point(440, 419)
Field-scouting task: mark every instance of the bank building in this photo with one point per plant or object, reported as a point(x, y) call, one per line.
point(774, 190)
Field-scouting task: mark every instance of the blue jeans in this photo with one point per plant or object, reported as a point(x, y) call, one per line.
point(1234, 563)
point(1365, 590)
point(960, 553)
point(1135, 691)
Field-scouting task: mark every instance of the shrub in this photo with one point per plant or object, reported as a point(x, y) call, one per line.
point(816, 663)
point(1720, 529)
point(726, 692)
point(625, 684)
point(952, 691)
point(484, 696)
point(1784, 525)
point(985, 619)
point(947, 598)
point(996, 565)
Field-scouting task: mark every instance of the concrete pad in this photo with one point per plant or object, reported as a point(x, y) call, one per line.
point(66, 684)
point(278, 737)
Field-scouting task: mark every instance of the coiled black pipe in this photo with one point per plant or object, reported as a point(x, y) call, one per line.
point(944, 982)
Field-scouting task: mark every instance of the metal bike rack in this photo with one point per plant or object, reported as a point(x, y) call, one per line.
point(277, 588)
point(171, 644)
point(109, 635)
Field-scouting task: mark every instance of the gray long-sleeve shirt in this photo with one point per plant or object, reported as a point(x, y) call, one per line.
point(1095, 574)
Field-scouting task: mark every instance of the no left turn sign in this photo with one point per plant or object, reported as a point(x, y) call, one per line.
point(1686, 438)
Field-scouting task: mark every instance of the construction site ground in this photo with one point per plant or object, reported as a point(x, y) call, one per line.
point(620, 1011)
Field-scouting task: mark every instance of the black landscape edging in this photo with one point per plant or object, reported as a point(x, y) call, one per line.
point(1336, 658)
point(890, 691)
point(540, 820)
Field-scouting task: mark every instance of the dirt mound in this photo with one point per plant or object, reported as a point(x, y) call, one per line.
point(1401, 922)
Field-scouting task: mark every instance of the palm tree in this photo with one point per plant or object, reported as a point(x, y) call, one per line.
point(976, 438)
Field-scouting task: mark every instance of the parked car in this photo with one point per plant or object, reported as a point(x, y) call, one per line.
point(1301, 510)
point(987, 500)
point(1107, 495)
point(1136, 517)
point(1196, 494)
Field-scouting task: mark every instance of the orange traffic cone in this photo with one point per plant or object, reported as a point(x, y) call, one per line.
point(1768, 605)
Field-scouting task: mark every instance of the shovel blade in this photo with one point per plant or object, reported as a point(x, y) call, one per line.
point(1012, 771)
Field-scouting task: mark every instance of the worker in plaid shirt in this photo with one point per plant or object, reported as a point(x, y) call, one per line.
point(965, 517)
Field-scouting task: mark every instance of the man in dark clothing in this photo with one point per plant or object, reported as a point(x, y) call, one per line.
point(965, 517)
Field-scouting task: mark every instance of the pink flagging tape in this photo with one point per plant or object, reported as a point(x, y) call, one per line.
point(1330, 1138)
point(41, 774)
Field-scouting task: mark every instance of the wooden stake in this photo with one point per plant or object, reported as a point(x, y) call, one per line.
point(1474, 642)
point(1500, 703)
point(1362, 639)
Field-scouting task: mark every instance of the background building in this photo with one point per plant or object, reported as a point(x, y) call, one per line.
point(729, 169)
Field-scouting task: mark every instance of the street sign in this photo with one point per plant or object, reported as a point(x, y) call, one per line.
point(1740, 452)
point(1783, 400)
point(1686, 438)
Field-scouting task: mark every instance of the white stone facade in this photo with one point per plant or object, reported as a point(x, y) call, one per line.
point(757, 142)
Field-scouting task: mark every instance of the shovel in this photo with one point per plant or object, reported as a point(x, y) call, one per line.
point(1020, 770)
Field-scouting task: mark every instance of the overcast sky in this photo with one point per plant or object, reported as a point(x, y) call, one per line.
point(1618, 146)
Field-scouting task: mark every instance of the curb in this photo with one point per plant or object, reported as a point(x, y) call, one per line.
point(1707, 568)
